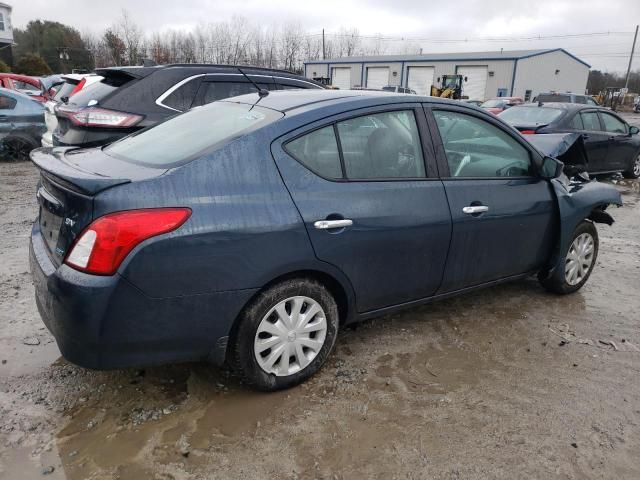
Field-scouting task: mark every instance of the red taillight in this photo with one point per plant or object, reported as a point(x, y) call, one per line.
point(528, 132)
point(78, 87)
point(99, 117)
point(104, 244)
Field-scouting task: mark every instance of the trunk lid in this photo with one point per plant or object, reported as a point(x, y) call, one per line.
point(69, 181)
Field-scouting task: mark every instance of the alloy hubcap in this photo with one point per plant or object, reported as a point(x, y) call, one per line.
point(579, 259)
point(290, 336)
point(636, 167)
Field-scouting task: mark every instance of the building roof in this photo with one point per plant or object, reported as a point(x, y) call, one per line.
point(447, 57)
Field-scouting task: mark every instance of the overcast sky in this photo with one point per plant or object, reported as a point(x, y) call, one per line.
point(427, 20)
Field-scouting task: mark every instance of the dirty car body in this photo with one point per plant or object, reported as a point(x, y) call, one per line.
point(385, 201)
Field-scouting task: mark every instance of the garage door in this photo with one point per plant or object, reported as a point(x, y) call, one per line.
point(476, 84)
point(377, 77)
point(420, 79)
point(341, 77)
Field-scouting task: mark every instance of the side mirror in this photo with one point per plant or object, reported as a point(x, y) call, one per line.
point(551, 168)
point(633, 130)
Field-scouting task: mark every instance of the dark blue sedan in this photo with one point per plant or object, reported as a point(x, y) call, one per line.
point(251, 229)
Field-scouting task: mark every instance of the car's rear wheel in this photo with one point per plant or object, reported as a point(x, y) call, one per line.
point(285, 335)
point(16, 148)
point(574, 267)
point(634, 169)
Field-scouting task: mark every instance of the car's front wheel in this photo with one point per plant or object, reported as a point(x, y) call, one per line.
point(285, 335)
point(574, 267)
point(634, 169)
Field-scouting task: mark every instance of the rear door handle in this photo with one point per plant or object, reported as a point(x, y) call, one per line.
point(328, 224)
point(475, 209)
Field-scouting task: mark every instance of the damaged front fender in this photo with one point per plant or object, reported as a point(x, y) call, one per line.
point(578, 200)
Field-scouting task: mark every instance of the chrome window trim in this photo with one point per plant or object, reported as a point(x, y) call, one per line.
point(161, 98)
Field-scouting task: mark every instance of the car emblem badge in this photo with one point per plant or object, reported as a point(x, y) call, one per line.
point(68, 222)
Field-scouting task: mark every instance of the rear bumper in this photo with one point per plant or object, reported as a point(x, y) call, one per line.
point(106, 322)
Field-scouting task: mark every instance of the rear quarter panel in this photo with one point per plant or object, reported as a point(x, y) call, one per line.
point(243, 232)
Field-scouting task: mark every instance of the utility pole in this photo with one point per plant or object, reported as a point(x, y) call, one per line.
point(323, 42)
point(633, 48)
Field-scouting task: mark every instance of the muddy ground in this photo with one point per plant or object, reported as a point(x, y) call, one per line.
point(510, 382)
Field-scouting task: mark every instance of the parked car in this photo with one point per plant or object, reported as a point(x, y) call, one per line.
point(612, 144)
point(555, 97)
point(68, 86)
point(500, 104)
point(21, 125)
point(398, 89)
point(128, 99)
point(250, 230)
point(30, 86)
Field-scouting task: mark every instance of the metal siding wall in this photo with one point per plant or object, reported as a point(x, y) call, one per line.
point(538, 74)
point(321, 69)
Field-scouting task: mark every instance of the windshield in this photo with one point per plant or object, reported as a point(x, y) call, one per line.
point(493, 104)
point(184, 137)
point(531, 115)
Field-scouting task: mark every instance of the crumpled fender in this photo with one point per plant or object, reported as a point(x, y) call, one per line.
point(578, 201)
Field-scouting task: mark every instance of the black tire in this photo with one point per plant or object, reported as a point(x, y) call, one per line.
point(242, 358)
point(557, 282)
point(16, 148)
point(634, 168)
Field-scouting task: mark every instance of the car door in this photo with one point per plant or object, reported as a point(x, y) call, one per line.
point(596, 141)
point(622, 149)
point(503, 214)
point(366, 187)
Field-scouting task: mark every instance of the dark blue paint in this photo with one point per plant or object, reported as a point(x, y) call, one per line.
point(176, 296)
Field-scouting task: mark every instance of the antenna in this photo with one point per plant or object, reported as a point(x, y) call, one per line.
point(261, 91)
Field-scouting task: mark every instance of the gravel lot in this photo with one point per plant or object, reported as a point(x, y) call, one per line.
point(510, 382)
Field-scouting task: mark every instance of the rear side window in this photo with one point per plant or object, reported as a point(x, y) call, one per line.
point(576, 122)
point(318, 151)
point(613, 124)
point(7, 103)
point(580, 99)
point(212, 91)
point(182, 97)
point(476, 148)
point(554, 98)
point(187, 136)
point(383, 145)
point(590, 121)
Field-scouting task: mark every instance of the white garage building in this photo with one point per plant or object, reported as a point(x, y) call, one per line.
point(523, 73)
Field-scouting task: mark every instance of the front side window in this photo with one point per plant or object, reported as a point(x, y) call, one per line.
point(613, 124)
point(590, 121)
point(382, 145)
point(476, 148)
point(318, 151)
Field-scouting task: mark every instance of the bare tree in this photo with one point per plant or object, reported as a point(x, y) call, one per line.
point(132, 37)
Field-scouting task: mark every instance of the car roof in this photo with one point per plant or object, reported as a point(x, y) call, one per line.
point(141, 71)
point(289, 100)
point(562, 106)
point(17, 95)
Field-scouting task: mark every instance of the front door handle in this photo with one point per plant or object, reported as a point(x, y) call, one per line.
point(475, 209)
point(328, 224)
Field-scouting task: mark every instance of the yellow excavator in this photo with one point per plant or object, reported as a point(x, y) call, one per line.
point(451, 87)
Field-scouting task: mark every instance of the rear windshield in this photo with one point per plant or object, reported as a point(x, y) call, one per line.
point(64, 90)
point(189, 135)
point(553, 97)
point(96, 92)
point(531, 115)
